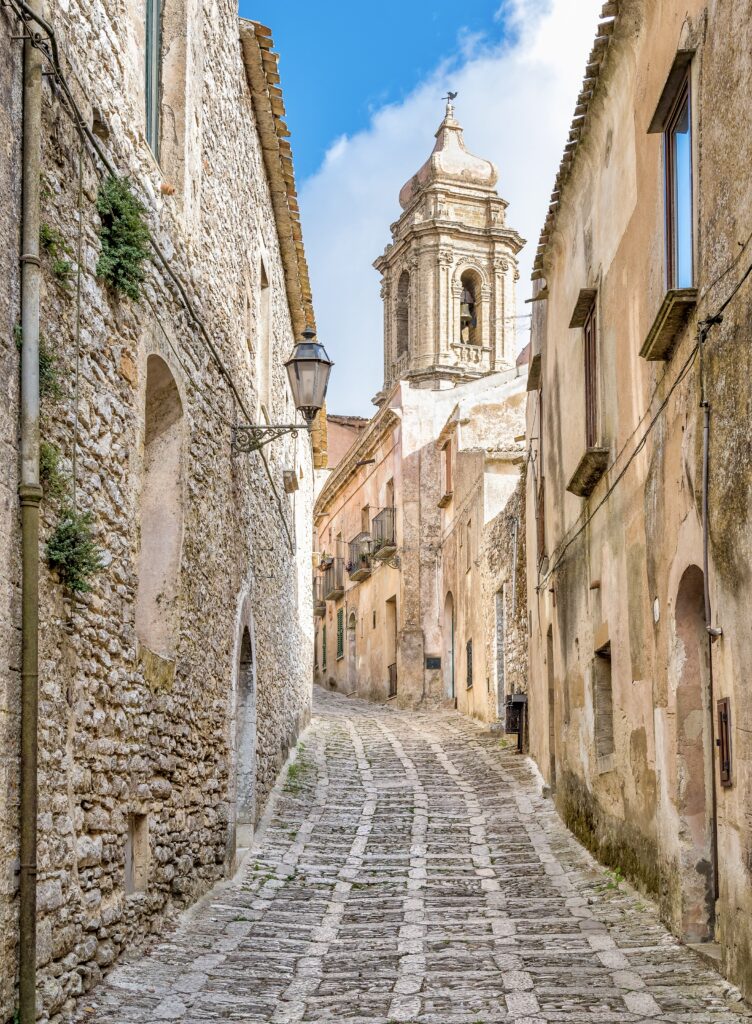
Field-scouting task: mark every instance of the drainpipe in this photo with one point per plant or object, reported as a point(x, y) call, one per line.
point(30, 494)
point(713, 632)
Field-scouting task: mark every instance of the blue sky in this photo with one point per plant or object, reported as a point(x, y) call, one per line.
point(342, 62)
point(363, 86)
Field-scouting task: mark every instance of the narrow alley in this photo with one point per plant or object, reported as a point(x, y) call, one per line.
point(409, 870)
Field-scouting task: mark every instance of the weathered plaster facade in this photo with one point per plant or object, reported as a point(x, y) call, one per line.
point(481, 592)
point(624, 707)
point(448, 290)
point(171, 694)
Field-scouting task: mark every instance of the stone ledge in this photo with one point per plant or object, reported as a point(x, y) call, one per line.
point(674, 311)
point(590, 469)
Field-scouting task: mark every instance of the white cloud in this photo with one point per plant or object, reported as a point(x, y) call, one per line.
point(515, 102)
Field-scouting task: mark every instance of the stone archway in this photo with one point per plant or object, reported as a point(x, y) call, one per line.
point(448, 643)
point(352, 654)
point(694, 767)
point(245, 742)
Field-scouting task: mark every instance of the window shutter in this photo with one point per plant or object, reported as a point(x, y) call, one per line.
point(469, 664)
point(323, 646)
point(340, 634)
point(724, 741)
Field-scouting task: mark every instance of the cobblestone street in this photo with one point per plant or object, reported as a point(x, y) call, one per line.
point(411, 872)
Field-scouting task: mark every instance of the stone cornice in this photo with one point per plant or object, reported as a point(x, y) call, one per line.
point(385, 420)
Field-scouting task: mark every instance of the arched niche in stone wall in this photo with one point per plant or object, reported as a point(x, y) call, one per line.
point(161, 512)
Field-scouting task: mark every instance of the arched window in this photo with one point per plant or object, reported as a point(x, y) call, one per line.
point(246, 743)
point(469, 308)
point(402, 313)
point(161, 512)
point(263, 347)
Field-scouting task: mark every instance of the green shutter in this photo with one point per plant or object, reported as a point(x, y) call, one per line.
point(323, 647)
point(340, 633)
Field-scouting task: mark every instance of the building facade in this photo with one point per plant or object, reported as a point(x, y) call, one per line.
point(638, 493)
point(170, 691)
point(381, 520)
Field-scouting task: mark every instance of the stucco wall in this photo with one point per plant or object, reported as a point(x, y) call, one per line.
point(121, 731)
point(647, 808)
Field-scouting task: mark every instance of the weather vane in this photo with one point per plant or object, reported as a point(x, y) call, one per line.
point(450, 96)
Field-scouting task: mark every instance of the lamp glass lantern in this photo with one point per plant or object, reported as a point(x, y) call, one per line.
point(308, 370)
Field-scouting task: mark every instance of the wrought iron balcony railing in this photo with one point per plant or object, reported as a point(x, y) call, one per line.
point(334, 580)
point(319, 604)
point(360, 565)
point(384, 534)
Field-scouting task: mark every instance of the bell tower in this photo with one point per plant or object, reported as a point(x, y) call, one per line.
point(448, 276)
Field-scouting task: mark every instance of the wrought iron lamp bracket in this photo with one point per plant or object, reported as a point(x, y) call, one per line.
point(251, 438)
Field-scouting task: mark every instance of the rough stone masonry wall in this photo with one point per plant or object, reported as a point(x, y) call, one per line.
point(121, 732)
point(10, 195)
point(499, 570)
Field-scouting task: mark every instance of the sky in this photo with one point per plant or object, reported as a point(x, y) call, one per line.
point(362, 86)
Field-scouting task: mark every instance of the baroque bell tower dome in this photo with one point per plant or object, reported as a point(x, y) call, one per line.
point(448, 276)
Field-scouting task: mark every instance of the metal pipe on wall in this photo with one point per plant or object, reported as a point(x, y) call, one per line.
point(30, 494)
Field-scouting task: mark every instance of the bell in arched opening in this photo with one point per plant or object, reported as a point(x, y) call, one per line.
point(468, 311)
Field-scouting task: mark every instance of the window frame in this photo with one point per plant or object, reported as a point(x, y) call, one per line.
point(682, 97)
point(340, 634)
point(469, 664)
point(152, 73)
point(590, 355)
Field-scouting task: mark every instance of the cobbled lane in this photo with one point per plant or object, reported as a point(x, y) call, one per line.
point(409, 871)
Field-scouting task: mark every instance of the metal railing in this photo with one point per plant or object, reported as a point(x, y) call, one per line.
point(384, 534)
point(334, 580)
point(359, 562)
point(319, 604)
point(392, 680)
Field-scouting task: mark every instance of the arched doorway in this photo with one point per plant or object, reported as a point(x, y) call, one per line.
point(694, 768)
point(352, 654)
point(448, 652)
point(245, 743)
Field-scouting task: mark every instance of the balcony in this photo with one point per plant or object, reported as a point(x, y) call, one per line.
point(334, 580)
point(590, 469)
point(360, 563)
point(663, 335)
point(319, 604)
point(384, 534)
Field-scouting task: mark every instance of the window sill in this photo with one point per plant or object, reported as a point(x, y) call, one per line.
point(662, 336)
point(445, 499)
point(590, 469)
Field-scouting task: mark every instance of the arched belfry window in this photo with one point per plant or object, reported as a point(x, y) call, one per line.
point(469, 308)
point(161, 512)
point(402, 313)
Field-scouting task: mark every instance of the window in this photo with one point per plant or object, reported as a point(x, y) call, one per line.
point(446, 474)
point(591, 379)
point(603, 703)
point(263, 348)
point(677, 141)
point(152, 71)
point(365, 519)
point(323, 647)
point(469, 652)
point(469, 546)
point(469, 333)
point(374, 618)
point(540, 521)
point(157, 612)
point(340, 634)
point(137, 853)
point(724, 741)
point(402, 314)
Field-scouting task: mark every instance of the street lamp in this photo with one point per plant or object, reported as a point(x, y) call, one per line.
point(308, 370)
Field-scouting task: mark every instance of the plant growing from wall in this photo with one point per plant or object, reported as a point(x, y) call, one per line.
point(71, 550)
point(49, 374)
point(52, 477)
point(124, 237)
point(53, 243)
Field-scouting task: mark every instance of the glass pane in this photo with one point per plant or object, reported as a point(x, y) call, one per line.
point(681, 142)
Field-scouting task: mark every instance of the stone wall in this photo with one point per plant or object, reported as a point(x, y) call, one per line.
point(10, 197)
point(127, 732)
point(504, 575)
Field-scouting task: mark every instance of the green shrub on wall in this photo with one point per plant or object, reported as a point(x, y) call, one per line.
point(72, 552)
point(124, 237)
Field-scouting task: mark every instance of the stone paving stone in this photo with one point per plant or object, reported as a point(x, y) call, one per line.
point(409, 871)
